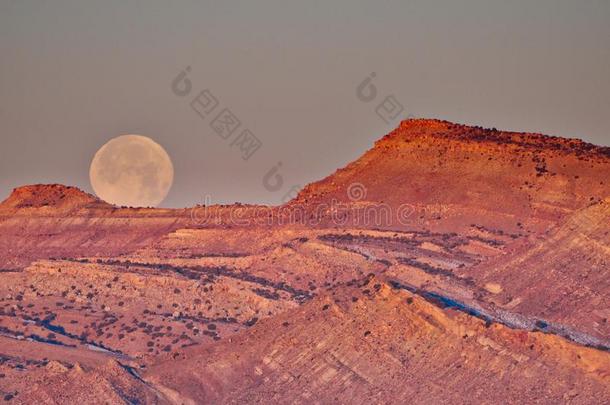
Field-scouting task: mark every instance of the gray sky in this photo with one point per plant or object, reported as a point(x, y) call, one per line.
point(74, 74)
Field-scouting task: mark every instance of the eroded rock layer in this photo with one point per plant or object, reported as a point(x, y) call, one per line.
point(447, 264)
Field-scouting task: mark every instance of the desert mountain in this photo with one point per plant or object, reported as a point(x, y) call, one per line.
point(563, 277)
point(53, 221)
point(494, 279)
point(373, 343)
point(57, 198)
point(454, 176)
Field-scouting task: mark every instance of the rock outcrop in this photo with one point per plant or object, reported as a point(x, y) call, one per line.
point(448, 176)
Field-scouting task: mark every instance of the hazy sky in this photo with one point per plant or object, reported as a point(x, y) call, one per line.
point(74, 74)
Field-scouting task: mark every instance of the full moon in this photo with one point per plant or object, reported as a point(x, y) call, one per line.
point(132, 170)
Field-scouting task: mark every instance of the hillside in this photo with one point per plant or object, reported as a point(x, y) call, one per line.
point(490, 286)
point(53, 221)
point(370, 343)
point(563, 277)
point(452, 176)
